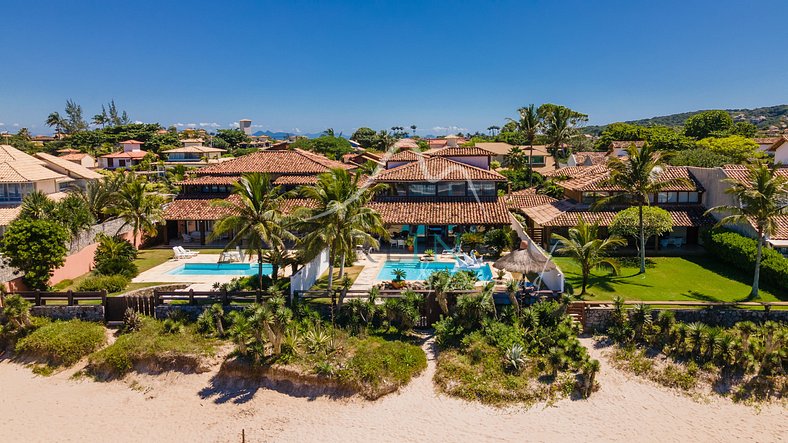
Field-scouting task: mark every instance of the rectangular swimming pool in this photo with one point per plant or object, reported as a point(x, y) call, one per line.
point(419, 270)
point(239, 269)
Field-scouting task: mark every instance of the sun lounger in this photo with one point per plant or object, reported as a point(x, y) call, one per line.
point(181, 253)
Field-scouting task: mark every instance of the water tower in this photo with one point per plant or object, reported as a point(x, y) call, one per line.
point(246, 126)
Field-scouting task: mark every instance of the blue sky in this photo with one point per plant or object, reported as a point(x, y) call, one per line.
point(308, 65)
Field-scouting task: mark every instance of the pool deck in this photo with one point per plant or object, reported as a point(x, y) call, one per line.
point(161, 273)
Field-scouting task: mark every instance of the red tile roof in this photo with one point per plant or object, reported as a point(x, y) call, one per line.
point(597, 180)
point(131, 142)
point(406, 156)
point(130, 154)
point(202, 208)
point(461, 151)
point(741, 173)
point(782, 228)
point(565, 213)
point(437, 169)
point(526, 198)
point(296, 180)
point(575, 171)
point(590, 158)
point(443, 212)
point(779, 142)
point(291, 162)
point(623, 144)
point(208, 180)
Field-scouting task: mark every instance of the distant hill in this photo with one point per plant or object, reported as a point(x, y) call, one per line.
point(763, 118)
point(284, 135)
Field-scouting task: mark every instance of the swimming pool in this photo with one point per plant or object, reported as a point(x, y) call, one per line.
point(220, 269)
point(419, 270)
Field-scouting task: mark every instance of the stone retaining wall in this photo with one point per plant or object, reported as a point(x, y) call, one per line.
point(83, 312)
point(597, 318)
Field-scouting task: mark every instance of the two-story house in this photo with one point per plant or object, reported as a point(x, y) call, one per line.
point(193, 153)
point(130, 155)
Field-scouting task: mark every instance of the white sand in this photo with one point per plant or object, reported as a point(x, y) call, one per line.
point(171, 408)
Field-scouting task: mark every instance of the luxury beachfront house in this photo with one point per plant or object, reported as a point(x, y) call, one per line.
point(433, 199)
point(190, 217)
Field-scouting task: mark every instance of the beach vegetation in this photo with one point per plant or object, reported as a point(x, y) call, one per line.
point(62, 343)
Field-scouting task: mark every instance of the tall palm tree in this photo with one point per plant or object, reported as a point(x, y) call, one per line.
point(100, 195)
point(56, 120)
point(762, 196)
point(515, 159)
point(36, 206)
point(529, 124)
point(560, 124)
point(413, 128)
point(589, 251)
point(255, 218)
point(138, 207)
point(638, 175)
point(340, 219)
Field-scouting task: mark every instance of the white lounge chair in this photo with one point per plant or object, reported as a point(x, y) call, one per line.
point(181, 253)
point(455, 250)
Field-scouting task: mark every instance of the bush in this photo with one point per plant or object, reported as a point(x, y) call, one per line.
point(376, 361)
point(63, 342)
point(740, 251)
point(115, 256)
point(110, 283)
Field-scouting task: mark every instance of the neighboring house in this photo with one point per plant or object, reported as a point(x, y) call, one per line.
point(22, 174)
point(779, 149)
point(618, 148)
point(449, 140)
point(406, 143)
point(80, 174)
point(362, 158)
point(587, 158)
point(130, 155)
point(765, 143)
point(584, 185)
point(192, 154)
point(541, 159)
point(191, 215)
point(78, 157)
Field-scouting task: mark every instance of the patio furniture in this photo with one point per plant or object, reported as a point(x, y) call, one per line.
point(455, 250)
point(180, 253)
point(401, 243)
point(393, 242)
point(230, 256)
point(187, 238)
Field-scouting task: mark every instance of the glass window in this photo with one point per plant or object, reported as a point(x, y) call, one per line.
point(401, 189)
point(537, 160)
point(481, 189)
point(673, 197)
point(683, 197)
point(693, 197)
point(662, 197)
point(422, 190)
point(451, 189)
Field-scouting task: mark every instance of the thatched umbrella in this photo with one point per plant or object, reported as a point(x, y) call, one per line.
point(524, 261)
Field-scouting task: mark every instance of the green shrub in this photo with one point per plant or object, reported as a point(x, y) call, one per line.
point(740, 251)
point(115, 256)
point(377, 361)
point(63, 342)
point(110, 283)
point(151, 342)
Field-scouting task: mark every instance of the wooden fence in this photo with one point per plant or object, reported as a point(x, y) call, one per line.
point(71, 298)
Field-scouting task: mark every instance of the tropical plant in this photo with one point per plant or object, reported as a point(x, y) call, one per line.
point(138, 208)
point(762, 198)
point(512, 286)
point(515, 357)
point(590, 370)
point(639, 175)
point(255, 218)
point(35, 247)
point(441, 283)
point(132, 321)
point(585, 247)
point(341, 219)
point(17, 311)
point(37, 206)
point(515, 159)
point(560, 124)
point(114, 255)
point(626, 223)
point(269, 321)
point(529, 124)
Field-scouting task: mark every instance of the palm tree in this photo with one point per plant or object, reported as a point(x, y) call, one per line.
point(37, 205)
point(560, 124)
point(340, 219)
point(515, 159)
point(762, 196)
point(56, 120)
point(329, 132)
point(413, 128)
point(529, 124)
point(100, 195)
point(589, 251)
point(255, 218)
point(138, 207)
point(638, 175)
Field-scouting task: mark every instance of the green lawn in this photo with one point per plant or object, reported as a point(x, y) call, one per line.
point(150, 258)
point(669, 278)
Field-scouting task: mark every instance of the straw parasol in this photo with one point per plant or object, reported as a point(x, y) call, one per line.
point(525, 261)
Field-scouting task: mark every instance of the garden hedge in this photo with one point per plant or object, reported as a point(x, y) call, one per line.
point(740, 251)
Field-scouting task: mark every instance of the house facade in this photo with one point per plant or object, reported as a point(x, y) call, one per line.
point(193, 153)
point(130, 155)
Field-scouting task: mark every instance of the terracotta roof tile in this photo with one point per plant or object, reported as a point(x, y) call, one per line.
point(443, 212)
point(437, 169)
point(741, 173)
point(208, 180)
point(201, 208)
point(595, 179)
point(275, 162)
point(461, 151)
point(782, 228)
point(131, 154)
point(590, 158)
point(682, 217)
point(296, 180)
point(406, 156)
point(526, 198)
point(623, 144)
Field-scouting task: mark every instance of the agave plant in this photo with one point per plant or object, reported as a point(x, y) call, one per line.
point(515, 357)
point(316, 339)
point(132, 321)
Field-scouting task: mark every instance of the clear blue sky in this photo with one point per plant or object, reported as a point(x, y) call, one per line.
point(300, 64)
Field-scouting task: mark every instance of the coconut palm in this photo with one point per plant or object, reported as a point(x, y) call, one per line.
point(638, 175)
point(254, 218)
point(589, 251)
point(340, 219)
point(762, 197)
point(36, 205)
point(138, 208)
point(57, 121)
point(529, 124)
point(413, 128)
point(560, 124)
point(515, 159)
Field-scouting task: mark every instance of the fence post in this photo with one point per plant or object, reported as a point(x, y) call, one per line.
point(38, 297)
point(156, 297)
point(70, 296)
point(191, 296)
point(104, 297)
point(225, 300)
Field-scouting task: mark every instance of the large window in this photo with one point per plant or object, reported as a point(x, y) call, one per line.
point(422, 189)
point(400, 189)
point(481, 189)
point(537, 160)
point(14, 192)
point(451, 189)
point(678, 197)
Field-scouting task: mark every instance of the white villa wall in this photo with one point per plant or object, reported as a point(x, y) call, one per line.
point(781, 154)
point(47, 186)
point(306, 277)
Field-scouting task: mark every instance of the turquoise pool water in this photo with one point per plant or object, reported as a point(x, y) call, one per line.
point(419, 270)
point(239, 269)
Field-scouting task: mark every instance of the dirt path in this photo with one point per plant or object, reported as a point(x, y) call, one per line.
point(175, 407)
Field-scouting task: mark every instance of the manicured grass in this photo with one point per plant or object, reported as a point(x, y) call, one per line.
point(351, 272)
point(700, 278)
point(150, 258)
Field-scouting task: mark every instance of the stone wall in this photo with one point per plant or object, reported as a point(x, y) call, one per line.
point(83, 312)
point(597, 318)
